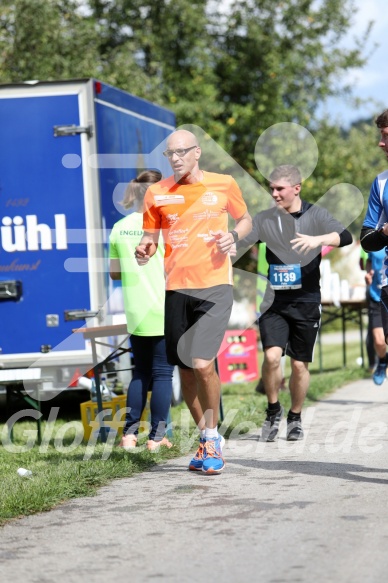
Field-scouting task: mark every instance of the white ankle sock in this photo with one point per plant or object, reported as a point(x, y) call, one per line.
point(211, 433)
point(202, 433)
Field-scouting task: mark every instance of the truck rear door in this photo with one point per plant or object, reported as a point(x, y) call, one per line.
point(43, 219)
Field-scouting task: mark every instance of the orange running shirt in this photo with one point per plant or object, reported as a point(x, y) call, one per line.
point(187, 214)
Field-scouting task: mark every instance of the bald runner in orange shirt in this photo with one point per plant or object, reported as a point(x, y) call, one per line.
point(191, 209)
point(189, 216)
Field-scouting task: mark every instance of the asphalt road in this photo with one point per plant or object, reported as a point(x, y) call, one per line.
point(314, 511)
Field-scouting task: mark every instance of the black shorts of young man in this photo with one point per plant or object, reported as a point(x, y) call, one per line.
point(374, 314)
point(293, 327)
point(384, 311)
point(195, 323)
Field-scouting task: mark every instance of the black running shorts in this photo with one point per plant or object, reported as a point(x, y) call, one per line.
point(293, 327)
point(384, 311)
point(374, 314)
point(195, 323)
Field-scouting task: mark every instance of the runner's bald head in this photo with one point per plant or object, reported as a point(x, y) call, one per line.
point(183, 137)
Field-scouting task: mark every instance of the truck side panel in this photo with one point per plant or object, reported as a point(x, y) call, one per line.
point(41, 199)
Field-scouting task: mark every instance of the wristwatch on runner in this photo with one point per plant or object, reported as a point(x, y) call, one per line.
point(234, 235)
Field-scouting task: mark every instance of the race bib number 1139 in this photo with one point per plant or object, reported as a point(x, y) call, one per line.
point(285, 276)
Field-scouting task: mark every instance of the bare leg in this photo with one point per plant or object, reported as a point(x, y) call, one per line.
point(272, 372)
point(190, 395)
point(379, 342)
point(299, 384)
point(209, 390)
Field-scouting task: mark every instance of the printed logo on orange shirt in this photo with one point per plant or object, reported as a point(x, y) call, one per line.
point(206, 215)
point(164, 199)
point(209, 198)
point(206, 237)
point(172, 218)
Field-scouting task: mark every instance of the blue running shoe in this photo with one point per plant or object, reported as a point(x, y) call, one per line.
point(197, 461)
point(213, 462)
point(380, 374)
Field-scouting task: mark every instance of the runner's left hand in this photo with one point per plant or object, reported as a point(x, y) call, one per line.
point(305, 243)
point(224, 241)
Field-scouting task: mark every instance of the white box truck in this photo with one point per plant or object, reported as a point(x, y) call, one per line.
point(67, 151)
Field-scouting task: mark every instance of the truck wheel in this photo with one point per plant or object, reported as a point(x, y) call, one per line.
point(176, 388)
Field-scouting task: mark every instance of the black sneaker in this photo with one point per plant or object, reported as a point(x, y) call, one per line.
point(271, 424)
point(294, 430)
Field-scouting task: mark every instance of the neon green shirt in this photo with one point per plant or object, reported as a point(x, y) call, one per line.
point(143, 286)
point(262, 270)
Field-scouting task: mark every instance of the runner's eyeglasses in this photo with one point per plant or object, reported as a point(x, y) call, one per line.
point(180, 152)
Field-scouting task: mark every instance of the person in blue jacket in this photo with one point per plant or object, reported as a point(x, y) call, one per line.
point(374, 232)
point(369, 344)
point(373, 278)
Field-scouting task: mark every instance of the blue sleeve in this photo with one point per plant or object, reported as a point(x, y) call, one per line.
point(375, 215)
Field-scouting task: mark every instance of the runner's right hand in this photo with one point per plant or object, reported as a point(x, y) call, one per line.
point(142, 253)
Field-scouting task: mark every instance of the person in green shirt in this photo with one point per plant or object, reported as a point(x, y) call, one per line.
point(143, 294)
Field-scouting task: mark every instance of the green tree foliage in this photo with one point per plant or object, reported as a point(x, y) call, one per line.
point(235, 71)
point(351, 156)
point(279, 60)
point(172, 44)
point(46, 40)
point(232, 71)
